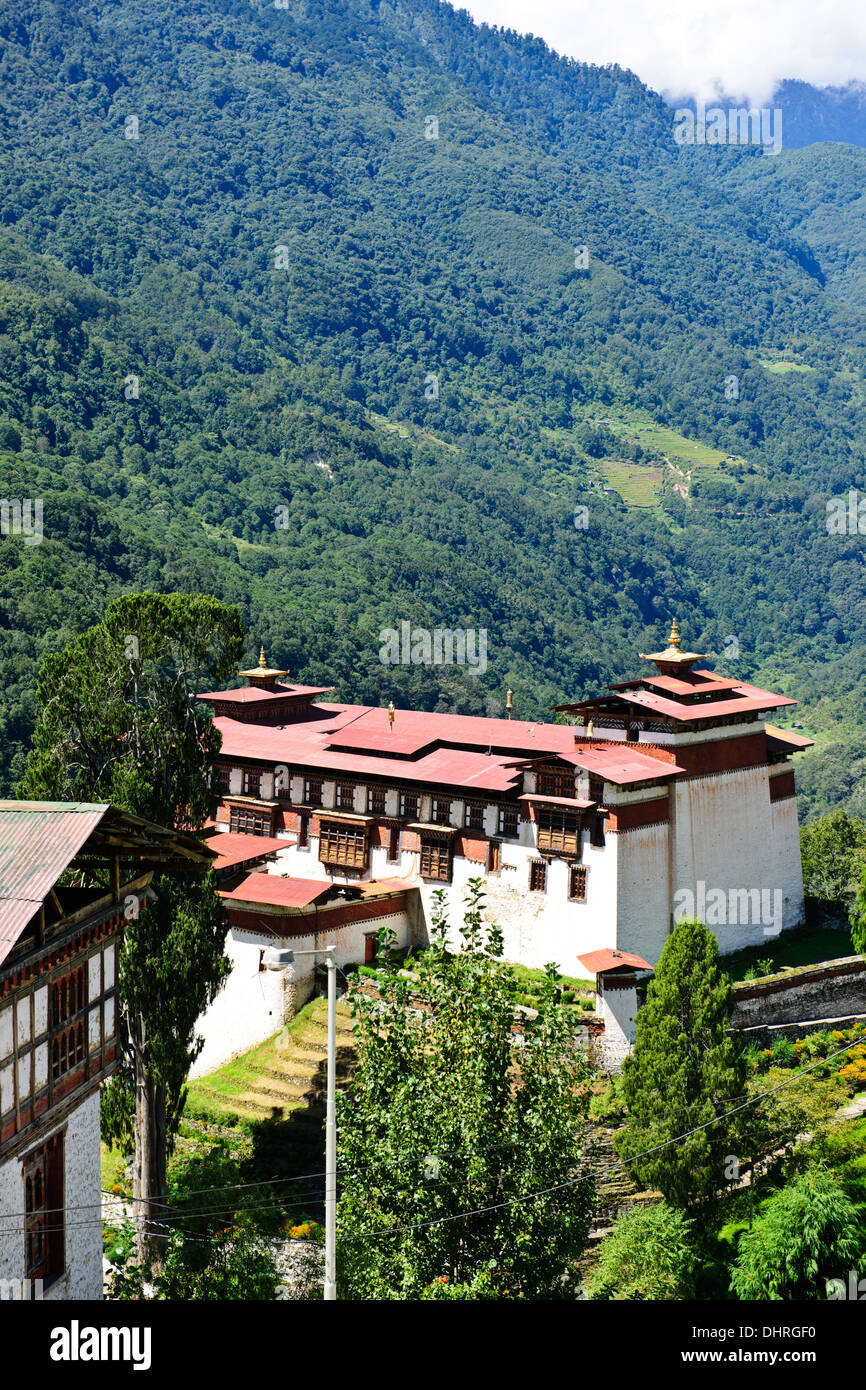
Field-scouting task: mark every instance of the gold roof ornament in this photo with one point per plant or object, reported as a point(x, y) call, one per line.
point(673, 656)
point(262, 672)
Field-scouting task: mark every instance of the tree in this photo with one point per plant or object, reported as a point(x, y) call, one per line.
point(684, 1071)
point(808, 1232)
point(118, 723)
point(172, 967)
point(781, 1116)
point(857, 917)
point(118, 719)
point(461, 1110)
point(649, 1254)
point(832, 849)
point(237, 1263)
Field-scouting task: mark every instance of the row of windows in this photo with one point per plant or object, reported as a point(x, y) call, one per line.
point(473, 816)
point(576, 879)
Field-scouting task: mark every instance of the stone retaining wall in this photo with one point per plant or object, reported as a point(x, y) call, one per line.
point(821, 994)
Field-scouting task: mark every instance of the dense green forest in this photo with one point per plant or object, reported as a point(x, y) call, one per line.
point(262, 335)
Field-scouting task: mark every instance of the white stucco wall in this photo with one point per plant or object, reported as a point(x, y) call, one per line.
point(248, 1009)
point(643, 899)
point(731, 838)
point(254, 1004)
point(82, 1199)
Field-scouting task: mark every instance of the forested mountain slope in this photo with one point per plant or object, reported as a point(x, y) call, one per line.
point(260, 333)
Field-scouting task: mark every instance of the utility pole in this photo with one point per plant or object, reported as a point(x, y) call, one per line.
point(331, 1136)
point(278, 958)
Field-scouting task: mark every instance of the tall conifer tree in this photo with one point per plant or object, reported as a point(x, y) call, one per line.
point(684, 1071)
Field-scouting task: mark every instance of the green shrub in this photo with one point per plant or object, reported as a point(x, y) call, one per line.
point(808, 1232)
point(648, 1255)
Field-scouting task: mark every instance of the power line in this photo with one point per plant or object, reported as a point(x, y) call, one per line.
point(657, 1148)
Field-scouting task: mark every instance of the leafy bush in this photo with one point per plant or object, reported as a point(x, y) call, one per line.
point(648, 1255)
point(808, 1232)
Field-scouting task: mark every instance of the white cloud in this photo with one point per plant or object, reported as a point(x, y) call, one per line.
point(699, 47)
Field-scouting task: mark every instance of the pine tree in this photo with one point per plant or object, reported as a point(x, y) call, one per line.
point(685, 1070)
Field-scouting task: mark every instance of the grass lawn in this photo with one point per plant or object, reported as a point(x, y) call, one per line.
point(805, 946)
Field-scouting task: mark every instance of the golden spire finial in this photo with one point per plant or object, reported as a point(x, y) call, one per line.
point(674, 639)
point(262, 658)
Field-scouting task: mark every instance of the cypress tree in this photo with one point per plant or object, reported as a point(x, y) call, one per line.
point(685, 1070)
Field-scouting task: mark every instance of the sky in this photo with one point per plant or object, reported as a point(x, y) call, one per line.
point(699, 48)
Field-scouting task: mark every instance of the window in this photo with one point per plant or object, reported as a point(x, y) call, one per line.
point(537, 876)
point(43, 1208)
point(68, 996)
point(342, 844)
point(436, 860)
point(345, 796)
point(596, 789)
point(555, 783)
point(68, 1049)
point(493, 856)
point(409, 805)
point(313, 791)
point(596, 831)
point(633, 733)
point(303, 831)
point(509, 821)
point(441, 811)
point(68, 1026)
point(222, 778)
point(473, 815)
point(394, 843)
point(376, 801)
point(252, 782)
point(577, 883)
point(249, 822)
point(558, 832)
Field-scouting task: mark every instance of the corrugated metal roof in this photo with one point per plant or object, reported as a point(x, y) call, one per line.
point(279, 892)
point(784, 738)
point(37, 842)
point(597, 961)
point(623, 764)
point(235, 848)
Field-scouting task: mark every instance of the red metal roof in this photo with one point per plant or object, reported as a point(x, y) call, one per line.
point(680, 685)
point(748, 699)
point(598, 961)
point(786, 739)
point(415, 729)
point(37, 841)
point(622, 764)
point(252, 694)
point(279, 892)
point(305, 747)
point(572, 802)
point(235, 848)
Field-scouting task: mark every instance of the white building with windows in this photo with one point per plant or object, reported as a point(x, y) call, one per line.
point(58, 1026)
point(588, 835)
